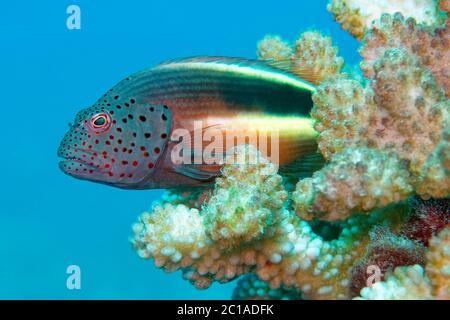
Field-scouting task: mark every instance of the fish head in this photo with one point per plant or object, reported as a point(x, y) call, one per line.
point(118, 145)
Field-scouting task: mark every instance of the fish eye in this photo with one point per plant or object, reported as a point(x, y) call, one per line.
point(100, 122)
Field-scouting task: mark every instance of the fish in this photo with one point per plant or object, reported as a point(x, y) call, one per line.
point(131, 137)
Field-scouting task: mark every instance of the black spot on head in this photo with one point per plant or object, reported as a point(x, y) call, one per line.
point(124, 120)
point(142, 118)
point(152, 109)
point(116, 97)
point(132, 101)
point(147, 135)
point(130, 116)
point(163, 116)
point(165, 107)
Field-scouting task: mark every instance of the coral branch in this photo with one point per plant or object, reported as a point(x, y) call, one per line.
point(342, 109)
point(313, 57)
point(274, 48)
point(431, 47)
point(402, 118)
point(438, 266)
point(405, 283)
point(357, 16)
point(355, 180)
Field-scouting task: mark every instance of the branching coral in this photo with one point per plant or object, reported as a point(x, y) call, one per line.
point(438, 266)
point(430, 46)
point(405, 283)
point(435, 173)
point(386, 140)
point(193, 197)
point(402, 111)
point(355, 180)
point(313, 56)
point(340, 108)
point(274, 48)
point(246, 226)
point(357, 16)
point(315, 52)
point(238, 212)
point(402, 117)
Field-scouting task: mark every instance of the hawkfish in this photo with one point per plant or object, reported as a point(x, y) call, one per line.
point(130, 138)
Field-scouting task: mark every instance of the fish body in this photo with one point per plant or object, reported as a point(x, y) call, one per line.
point(129, 137)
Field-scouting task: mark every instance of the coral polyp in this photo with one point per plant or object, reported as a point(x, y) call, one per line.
point(383, 190)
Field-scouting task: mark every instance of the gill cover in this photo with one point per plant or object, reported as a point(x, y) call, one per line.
point(161, 126)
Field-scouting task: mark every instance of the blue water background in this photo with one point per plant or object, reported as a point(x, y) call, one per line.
point(49, 221)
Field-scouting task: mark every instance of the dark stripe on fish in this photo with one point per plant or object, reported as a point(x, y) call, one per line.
point(254, 87)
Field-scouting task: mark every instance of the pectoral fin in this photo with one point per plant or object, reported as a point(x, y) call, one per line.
point(199, 171)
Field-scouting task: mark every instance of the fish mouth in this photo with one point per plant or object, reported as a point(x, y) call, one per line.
point(76, 166)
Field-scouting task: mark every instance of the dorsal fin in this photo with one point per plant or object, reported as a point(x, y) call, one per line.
point(302, 72)
point(219, 59)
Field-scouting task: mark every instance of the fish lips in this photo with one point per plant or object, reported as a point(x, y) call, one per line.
point(78, 168)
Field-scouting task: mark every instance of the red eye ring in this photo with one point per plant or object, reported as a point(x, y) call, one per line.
point(101, 122)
